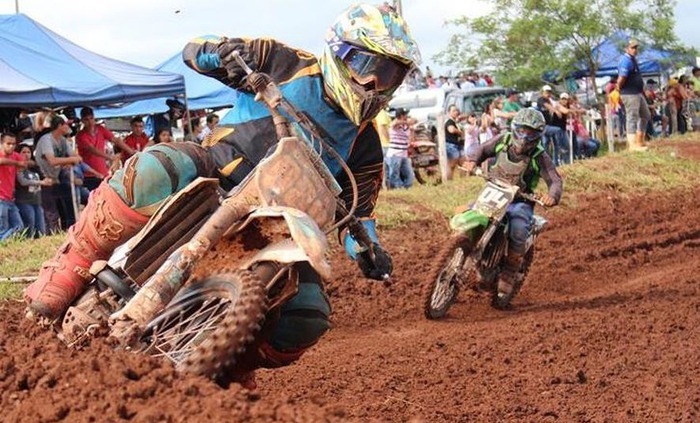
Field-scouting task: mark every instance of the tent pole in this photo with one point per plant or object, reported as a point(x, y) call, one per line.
point(188, 114)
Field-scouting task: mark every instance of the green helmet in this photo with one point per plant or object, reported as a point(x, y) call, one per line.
point(527, 128)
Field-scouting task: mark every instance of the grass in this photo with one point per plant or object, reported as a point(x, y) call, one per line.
point(625, 174)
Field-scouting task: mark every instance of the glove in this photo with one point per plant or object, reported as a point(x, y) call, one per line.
point(548, 201)
point(378, 269)
point(374, 269)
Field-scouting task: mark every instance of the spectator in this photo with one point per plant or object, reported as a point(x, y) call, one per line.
point(454, 140)
point(511, 105)
point(195, 125)
point(695, 80)
point(92, 143)
point(10, 161)
point(587, 147)
point(163, 135)
point(212, 122)
point(400, 135)
point(554, 137)
point(630, 85)
point(28, 195)
point(52, 154)
point(471, 131)
point(137, 140)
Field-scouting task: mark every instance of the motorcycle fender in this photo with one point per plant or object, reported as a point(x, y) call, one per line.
point(308, 242)
point(470, 219)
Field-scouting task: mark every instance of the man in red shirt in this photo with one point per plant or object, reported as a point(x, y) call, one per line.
point(137, 140)
point(91, 141)
point(10, 161)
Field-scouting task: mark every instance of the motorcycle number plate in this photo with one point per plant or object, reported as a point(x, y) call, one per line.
point(494, 198)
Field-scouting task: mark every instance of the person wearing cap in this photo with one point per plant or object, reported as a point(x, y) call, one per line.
point(52, 154)
point(92, 143)
point(554, 137)
point(630, 85)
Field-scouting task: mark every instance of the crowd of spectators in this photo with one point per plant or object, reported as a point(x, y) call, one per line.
point(50, 161)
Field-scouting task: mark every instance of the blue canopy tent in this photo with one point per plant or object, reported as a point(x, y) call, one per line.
point(40, 68)
point(608, 52)
point(202, 92)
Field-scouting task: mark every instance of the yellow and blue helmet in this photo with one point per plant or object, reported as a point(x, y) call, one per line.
point(369, 50)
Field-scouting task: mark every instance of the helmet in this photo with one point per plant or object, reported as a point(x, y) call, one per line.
point(369, 50)
point(527, 128)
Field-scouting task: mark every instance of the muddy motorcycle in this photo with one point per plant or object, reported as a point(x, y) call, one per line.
point(196, 284)
point(424, 156)
point(472, 257)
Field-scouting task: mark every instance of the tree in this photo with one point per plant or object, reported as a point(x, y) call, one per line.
point(525, 39)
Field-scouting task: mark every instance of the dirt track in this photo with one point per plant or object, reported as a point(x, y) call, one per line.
point(607, 329)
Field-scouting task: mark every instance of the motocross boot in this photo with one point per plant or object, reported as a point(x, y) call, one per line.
point(509, 269)
point(105, 223)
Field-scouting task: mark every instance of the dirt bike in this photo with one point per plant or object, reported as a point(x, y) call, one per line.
point(195, 285)
point(424, 156)
point(472, 257)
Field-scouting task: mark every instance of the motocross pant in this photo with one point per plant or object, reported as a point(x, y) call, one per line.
point(520, 223)
point(150, 177)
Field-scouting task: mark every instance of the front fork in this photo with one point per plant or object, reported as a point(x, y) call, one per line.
point(169, 278)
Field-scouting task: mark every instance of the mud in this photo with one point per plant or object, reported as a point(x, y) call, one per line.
point(606, 329)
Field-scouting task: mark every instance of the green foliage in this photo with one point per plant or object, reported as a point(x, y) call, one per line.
point(523, 39)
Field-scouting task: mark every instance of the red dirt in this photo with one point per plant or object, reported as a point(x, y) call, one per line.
point(607, 329)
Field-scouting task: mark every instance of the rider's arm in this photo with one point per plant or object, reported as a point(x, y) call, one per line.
point(477, 153)
point(549, 173)
point(211, 56)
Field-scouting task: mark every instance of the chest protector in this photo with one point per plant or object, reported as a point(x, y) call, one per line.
point(517, 171)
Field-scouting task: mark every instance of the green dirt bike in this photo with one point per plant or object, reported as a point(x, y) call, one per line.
point(472, 256)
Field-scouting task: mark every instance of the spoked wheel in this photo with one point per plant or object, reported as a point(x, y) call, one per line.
point(443, 288)
point(503, 301)
point(208, 324)
point(427, 175)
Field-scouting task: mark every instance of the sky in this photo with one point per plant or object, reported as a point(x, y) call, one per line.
point(148, 32)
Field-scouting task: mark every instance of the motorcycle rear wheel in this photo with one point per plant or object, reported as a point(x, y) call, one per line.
point(208, 325)
point(442, 291)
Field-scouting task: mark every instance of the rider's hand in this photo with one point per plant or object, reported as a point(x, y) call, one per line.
point(378, 269)
point(374, 261)
point(548, 201)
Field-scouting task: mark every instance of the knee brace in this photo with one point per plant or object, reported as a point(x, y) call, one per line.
point(304, 318)
point(151, 176)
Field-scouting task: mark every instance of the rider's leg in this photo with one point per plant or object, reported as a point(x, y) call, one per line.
point(116, 211)
point(301, 322)
point(520, 220)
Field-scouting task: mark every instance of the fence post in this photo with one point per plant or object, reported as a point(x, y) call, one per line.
point(442, 147)
point(609, 128)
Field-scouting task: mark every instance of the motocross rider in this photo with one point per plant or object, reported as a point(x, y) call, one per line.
point(518, 157)
point(368, 52)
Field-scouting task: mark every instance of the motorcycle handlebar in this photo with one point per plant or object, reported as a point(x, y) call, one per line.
point(478, 172)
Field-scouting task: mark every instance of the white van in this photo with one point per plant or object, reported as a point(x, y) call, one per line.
point(422, 105)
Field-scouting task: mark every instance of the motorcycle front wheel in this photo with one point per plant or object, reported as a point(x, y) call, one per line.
point(209, 323)
point(442, 290)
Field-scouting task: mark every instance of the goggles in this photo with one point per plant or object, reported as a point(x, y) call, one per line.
point(526, 134)
point(368, 68)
